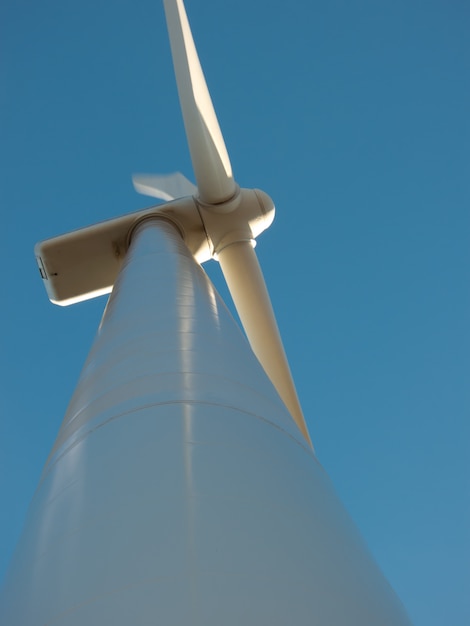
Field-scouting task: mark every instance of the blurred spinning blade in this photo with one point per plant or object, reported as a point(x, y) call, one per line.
point(164, 186)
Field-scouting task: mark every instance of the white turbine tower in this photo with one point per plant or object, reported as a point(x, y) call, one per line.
point(183, 487)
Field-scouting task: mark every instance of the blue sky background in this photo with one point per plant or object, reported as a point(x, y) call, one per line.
point(353, 115)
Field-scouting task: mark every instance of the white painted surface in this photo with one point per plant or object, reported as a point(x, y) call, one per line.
point(179, 490)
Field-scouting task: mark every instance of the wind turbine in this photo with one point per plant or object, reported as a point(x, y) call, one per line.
point(183, 486)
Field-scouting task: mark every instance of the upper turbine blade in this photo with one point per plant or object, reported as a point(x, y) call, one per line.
point(209, 156)
point(164, 186)
point(248, 290)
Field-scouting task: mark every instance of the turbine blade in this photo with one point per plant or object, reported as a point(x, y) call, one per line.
point(249, 293)
point(164, 186)
point(209, 156)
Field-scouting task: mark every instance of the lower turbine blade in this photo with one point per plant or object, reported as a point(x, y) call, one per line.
point(248, 290)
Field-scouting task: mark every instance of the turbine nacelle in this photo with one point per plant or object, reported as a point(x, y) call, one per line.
point(84, 263)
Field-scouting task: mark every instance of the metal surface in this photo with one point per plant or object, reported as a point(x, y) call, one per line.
point(179, 490)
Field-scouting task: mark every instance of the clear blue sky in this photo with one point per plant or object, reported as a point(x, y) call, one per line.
point(353, 115)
